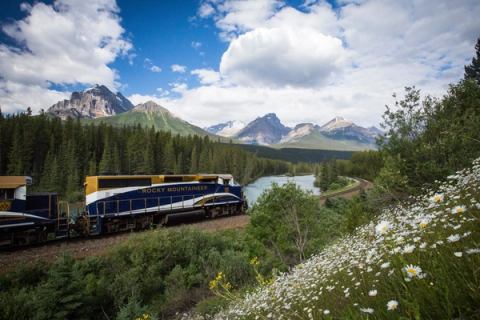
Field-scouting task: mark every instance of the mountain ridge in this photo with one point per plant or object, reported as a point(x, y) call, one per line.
point(100, 105)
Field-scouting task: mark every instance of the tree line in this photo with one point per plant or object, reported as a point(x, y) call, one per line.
point(59, 154)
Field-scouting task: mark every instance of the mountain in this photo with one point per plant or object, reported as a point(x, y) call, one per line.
point(150, 114)
point(341, 129)
point(336, 134)
point(300, 130)
point(91, 103)
point(263, 130)
point(227, 129)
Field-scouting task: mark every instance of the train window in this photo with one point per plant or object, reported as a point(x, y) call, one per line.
point(122, 183)
point(7, 194)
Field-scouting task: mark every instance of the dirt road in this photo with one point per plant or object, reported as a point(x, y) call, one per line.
point(80, 248)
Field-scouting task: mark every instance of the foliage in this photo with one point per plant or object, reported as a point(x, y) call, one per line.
point(429, 139)
point(296, 154)
point(287, 226)
point(415, 261)
point(158, 273)
point(472, 71)
point(329, 178)
point(363, 164)
point(59, 154)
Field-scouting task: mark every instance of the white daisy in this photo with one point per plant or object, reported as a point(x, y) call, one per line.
point(453, 238)
point(382, 227)
point(392, 305)
point(413, 271)
point(459, 209)
point(367, 310)
point(437, 198)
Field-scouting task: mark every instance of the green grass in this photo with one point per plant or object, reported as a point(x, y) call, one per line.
point(161, 121)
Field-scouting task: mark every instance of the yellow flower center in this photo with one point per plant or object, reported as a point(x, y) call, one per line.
point(459, 210)
point(437, 198)
point(423, 225)
point(412, 271)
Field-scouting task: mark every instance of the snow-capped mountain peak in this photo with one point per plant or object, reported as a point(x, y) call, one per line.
point(227, 129)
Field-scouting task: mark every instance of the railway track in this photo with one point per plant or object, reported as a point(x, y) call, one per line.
point(363, 185)
point(81, 247)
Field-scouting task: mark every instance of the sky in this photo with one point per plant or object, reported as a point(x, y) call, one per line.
point(212, 61)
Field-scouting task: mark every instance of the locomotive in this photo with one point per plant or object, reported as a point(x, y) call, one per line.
point(112, 204)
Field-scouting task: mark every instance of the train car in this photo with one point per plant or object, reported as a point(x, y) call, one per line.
point(28, 217)
point(116, 203)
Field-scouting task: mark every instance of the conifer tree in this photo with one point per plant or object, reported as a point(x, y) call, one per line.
point(472, 71)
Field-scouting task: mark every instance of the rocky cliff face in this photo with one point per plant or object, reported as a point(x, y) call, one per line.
point(264, 130)
point(94, 102)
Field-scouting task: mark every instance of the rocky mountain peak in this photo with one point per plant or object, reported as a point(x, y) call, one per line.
point(336, 123)
point(94, 102)
point(264, 130)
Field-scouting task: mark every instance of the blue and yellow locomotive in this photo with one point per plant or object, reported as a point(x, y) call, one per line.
point(112, 204)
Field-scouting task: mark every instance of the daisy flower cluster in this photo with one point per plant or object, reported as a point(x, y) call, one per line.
point(417, 260)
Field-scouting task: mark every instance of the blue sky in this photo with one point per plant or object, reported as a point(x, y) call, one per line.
point(210, 61)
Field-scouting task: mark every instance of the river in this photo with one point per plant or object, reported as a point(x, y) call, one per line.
point(255, 189)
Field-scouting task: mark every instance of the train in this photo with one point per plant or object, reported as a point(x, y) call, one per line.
point(112, 204)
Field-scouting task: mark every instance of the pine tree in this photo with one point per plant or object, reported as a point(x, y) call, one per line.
point(194, 160)
point(472, 71)
point(169, 159)
point(15, 158)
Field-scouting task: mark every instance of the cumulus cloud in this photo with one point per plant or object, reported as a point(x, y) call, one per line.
point(205, 10)
point(287, 56)
point(69, 42)
point(178, 68)
point(311, 64)
point(206, 76)
point(237, 16)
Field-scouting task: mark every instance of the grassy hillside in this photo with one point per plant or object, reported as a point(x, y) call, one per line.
point(316, 140)
point(161, 121)
point(416, 261)
point(296, 154)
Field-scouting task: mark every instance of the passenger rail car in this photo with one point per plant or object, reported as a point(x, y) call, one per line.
point(115, 203)
point(112, 203)
point(27, 218)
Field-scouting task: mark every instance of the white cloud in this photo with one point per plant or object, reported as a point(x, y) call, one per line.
point(155, 69)
point(277, 57)
point(179, 87)
point(345, 61)
point(148, 64)
point(205, 10)
point(237, 16)
point(206, 76)
point(69, 42)
point(196, 45)
point(178, 68)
